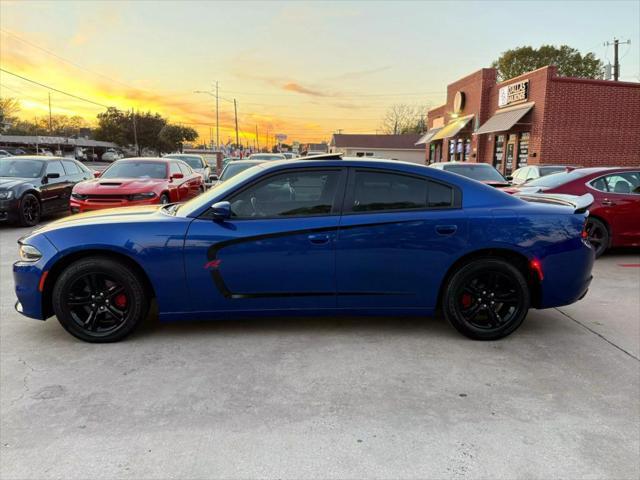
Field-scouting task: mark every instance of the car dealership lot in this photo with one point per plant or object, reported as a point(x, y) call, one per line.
point(325, 397)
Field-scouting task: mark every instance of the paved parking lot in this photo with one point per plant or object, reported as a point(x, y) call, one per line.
point(328, 398)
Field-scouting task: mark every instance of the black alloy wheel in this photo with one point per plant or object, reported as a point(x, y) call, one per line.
point(598, 235)
point(99, 300)
point(29, 210)
point(487, 299)
point(164, 199)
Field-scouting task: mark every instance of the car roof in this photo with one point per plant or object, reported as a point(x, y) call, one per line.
point(246, 162)
point(146, 159)
point(178, 156)
point(469, 164)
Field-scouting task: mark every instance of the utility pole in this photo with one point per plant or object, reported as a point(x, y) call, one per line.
point(135, 132)
point(50, 128)
point(257, 138)
point(235, 109)
point(616, 61)
point(217, 120)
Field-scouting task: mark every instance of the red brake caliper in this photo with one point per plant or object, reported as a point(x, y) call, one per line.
point(466, 300)
point(120, 300)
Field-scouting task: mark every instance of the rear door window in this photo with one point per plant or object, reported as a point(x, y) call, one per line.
point(389, 192)
point(55, 167)
point(70, 167)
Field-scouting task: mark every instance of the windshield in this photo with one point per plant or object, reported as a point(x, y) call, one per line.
point(557, 179)
point(217, 190)
point(136, 170)
point(193, 162)
point(549, 170)
point(477, 172)
point(10, 167)
point(266, 156)
point(233, 169)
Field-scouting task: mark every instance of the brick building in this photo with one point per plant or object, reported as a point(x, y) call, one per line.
point(536, 118)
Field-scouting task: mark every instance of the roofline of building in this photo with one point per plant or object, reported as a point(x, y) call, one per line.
point(594, 81)
point(385, 148)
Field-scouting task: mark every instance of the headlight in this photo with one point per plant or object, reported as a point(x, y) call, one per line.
point(79, 196)
point(6, 195)
point(29, 253)
point(142, 196)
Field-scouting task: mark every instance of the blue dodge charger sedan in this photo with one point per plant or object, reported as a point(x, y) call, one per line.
point(316, 236)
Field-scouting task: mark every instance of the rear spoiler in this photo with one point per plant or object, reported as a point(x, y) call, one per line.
point(580, 204)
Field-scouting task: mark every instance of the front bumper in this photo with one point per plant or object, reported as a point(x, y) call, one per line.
point(9, 209)
point(80, 206)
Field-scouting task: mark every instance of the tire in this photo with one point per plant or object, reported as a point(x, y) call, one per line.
point(96, 318)
point(29, 211)
point(471, 301)
point(598, 235)
point(164, 199)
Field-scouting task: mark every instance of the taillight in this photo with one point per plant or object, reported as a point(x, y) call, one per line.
point(584, 234)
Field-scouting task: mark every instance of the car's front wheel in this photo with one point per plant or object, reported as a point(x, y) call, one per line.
point(97, 299)
point(29, 212)
point(486, 299)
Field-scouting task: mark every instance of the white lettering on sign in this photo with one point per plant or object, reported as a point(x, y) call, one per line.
point(514, 93)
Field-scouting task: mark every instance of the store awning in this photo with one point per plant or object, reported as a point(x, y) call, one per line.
point(426, 138)
point(505, 119)
point(451, 129)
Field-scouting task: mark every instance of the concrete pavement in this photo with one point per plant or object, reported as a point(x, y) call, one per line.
point(328, 398)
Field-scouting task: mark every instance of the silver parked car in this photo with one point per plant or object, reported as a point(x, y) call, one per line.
point(198, 165)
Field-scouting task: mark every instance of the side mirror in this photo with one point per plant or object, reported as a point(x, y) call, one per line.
point(221, 210)
point(213, 177)
point(528, 179)
point(177, 175)
point(96, 174)
point(509, 178)
point(53, 175)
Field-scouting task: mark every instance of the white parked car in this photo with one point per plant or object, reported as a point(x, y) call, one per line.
point(198, 165)
point(111, 155)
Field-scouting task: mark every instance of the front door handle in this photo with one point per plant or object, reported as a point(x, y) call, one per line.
point(319, 238)
point(446, 229)
point(607, 203)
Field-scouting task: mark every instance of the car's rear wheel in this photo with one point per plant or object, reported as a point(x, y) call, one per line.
point(99, 300)
point(598, 235)
point(164, 199)
point(486, 299)
point(29, 213)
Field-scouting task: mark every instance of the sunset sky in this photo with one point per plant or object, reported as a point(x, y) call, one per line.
point(302, 69)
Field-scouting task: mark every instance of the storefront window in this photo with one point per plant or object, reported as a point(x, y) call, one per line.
point(523, 149)
point(498, 153)
point(467, 149)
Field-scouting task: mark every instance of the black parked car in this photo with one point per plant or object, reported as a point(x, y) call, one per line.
point(34, 186)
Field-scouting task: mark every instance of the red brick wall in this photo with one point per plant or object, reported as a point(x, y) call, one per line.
point(592, 123)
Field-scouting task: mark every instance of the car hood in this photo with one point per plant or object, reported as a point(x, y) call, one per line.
point(123, 186)
point(105, 217)
point(7, 183)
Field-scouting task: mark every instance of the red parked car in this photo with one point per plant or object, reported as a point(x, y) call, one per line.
point(137, 181)
point(614, 219)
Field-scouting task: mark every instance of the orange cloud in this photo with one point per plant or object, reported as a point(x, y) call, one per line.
point(296, 87)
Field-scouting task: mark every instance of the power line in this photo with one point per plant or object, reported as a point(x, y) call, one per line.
point(53, 89)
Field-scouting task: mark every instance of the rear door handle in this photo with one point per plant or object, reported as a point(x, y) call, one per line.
point(446, 229)
point(318, 238)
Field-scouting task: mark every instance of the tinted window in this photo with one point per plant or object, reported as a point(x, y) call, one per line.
point(377, 191)
point(266, 156)
point(10, 167)
point(477, 172)
point(440, 196)
point(288, 194)
point(70, 167)
point(133, 169)
point(55, 167)
point(193, 161)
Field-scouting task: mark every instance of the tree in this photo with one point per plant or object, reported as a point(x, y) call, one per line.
point(9, 107)
point(173, 137)
point(403, 118)
point(569, 61)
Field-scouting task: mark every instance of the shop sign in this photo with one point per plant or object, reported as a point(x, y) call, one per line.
point(515, 93)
